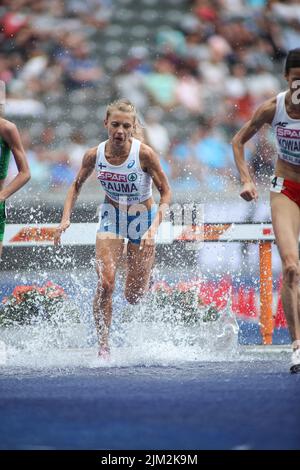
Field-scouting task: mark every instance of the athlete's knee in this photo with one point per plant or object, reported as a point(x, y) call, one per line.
point(291, 271)
point(106, 284)
point(133, 297)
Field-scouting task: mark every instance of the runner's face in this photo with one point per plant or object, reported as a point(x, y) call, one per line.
point(120, 126)
point(293, 79)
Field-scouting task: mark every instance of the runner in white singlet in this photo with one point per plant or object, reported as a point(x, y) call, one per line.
point(125, 168)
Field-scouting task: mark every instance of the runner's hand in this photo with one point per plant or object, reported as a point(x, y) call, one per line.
point(59, 230)
point(249, 192)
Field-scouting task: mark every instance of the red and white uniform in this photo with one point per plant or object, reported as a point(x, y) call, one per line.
point(287, 133)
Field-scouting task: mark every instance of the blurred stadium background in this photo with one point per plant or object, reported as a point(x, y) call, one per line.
point(195, 69)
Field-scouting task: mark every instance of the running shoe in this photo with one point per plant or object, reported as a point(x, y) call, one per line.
point(295, 367)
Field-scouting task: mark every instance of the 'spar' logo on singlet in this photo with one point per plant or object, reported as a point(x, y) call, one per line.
point(288, 133)
point(289, 144)
point(118, 183)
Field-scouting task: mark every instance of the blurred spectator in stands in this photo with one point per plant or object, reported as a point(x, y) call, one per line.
point(171, 41)
point(46, 15)
point(37, 75)
point(205, 10)
point(48, 138)
point(61, 173)
point(238, 103)
point(39, 166)
point(37, 61)
point(263, 84)
point(76, 148)
point(235, 85)
point(80, 69)
point(186, 173)
point(213, 156)
point(93, 13)
point(196, 35)
point(50, 150)
point(6, 74)
point(288, 10)
point(129, 80)
point(18, 106)
point(138, 60)
point(15, 63)
point(13, 20)
point(273, 32)
point(215, 70)
point(259, 56)
point(157, 134)
point(210, 149)
point(161, 84)
point(237, 33)
point(51, 79)
point(188, 89)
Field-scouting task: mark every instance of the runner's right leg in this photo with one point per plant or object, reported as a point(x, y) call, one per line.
point(109, 249)
point(286, 224)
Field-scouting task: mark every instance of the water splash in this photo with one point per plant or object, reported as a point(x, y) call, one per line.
point(136, 338)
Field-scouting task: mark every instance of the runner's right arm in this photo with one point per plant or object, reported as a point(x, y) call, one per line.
point(263, 115)
point(87, 167)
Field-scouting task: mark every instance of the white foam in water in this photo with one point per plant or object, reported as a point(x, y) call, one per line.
point(137, 340)
point(144, 346)
point(64, 343)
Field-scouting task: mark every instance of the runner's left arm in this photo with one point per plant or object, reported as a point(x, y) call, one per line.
point(12, 137)
point(150, 163)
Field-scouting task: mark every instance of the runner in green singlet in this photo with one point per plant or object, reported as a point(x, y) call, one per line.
point(10, 141)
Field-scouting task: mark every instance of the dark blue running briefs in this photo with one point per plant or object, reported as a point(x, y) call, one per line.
point(130, 226)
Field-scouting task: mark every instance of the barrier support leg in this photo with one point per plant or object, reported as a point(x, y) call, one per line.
point(266, 291)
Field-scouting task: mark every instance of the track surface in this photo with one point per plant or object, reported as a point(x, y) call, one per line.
point(196, 405)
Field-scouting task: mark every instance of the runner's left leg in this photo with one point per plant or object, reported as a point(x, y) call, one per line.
point(139, 265)
point(109, 249)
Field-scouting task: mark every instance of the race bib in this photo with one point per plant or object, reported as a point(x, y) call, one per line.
point(277, 184)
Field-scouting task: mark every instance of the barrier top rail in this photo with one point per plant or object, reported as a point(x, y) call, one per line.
point(84, 233)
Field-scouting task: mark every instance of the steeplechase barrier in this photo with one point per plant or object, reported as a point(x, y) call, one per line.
point(83, 234)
